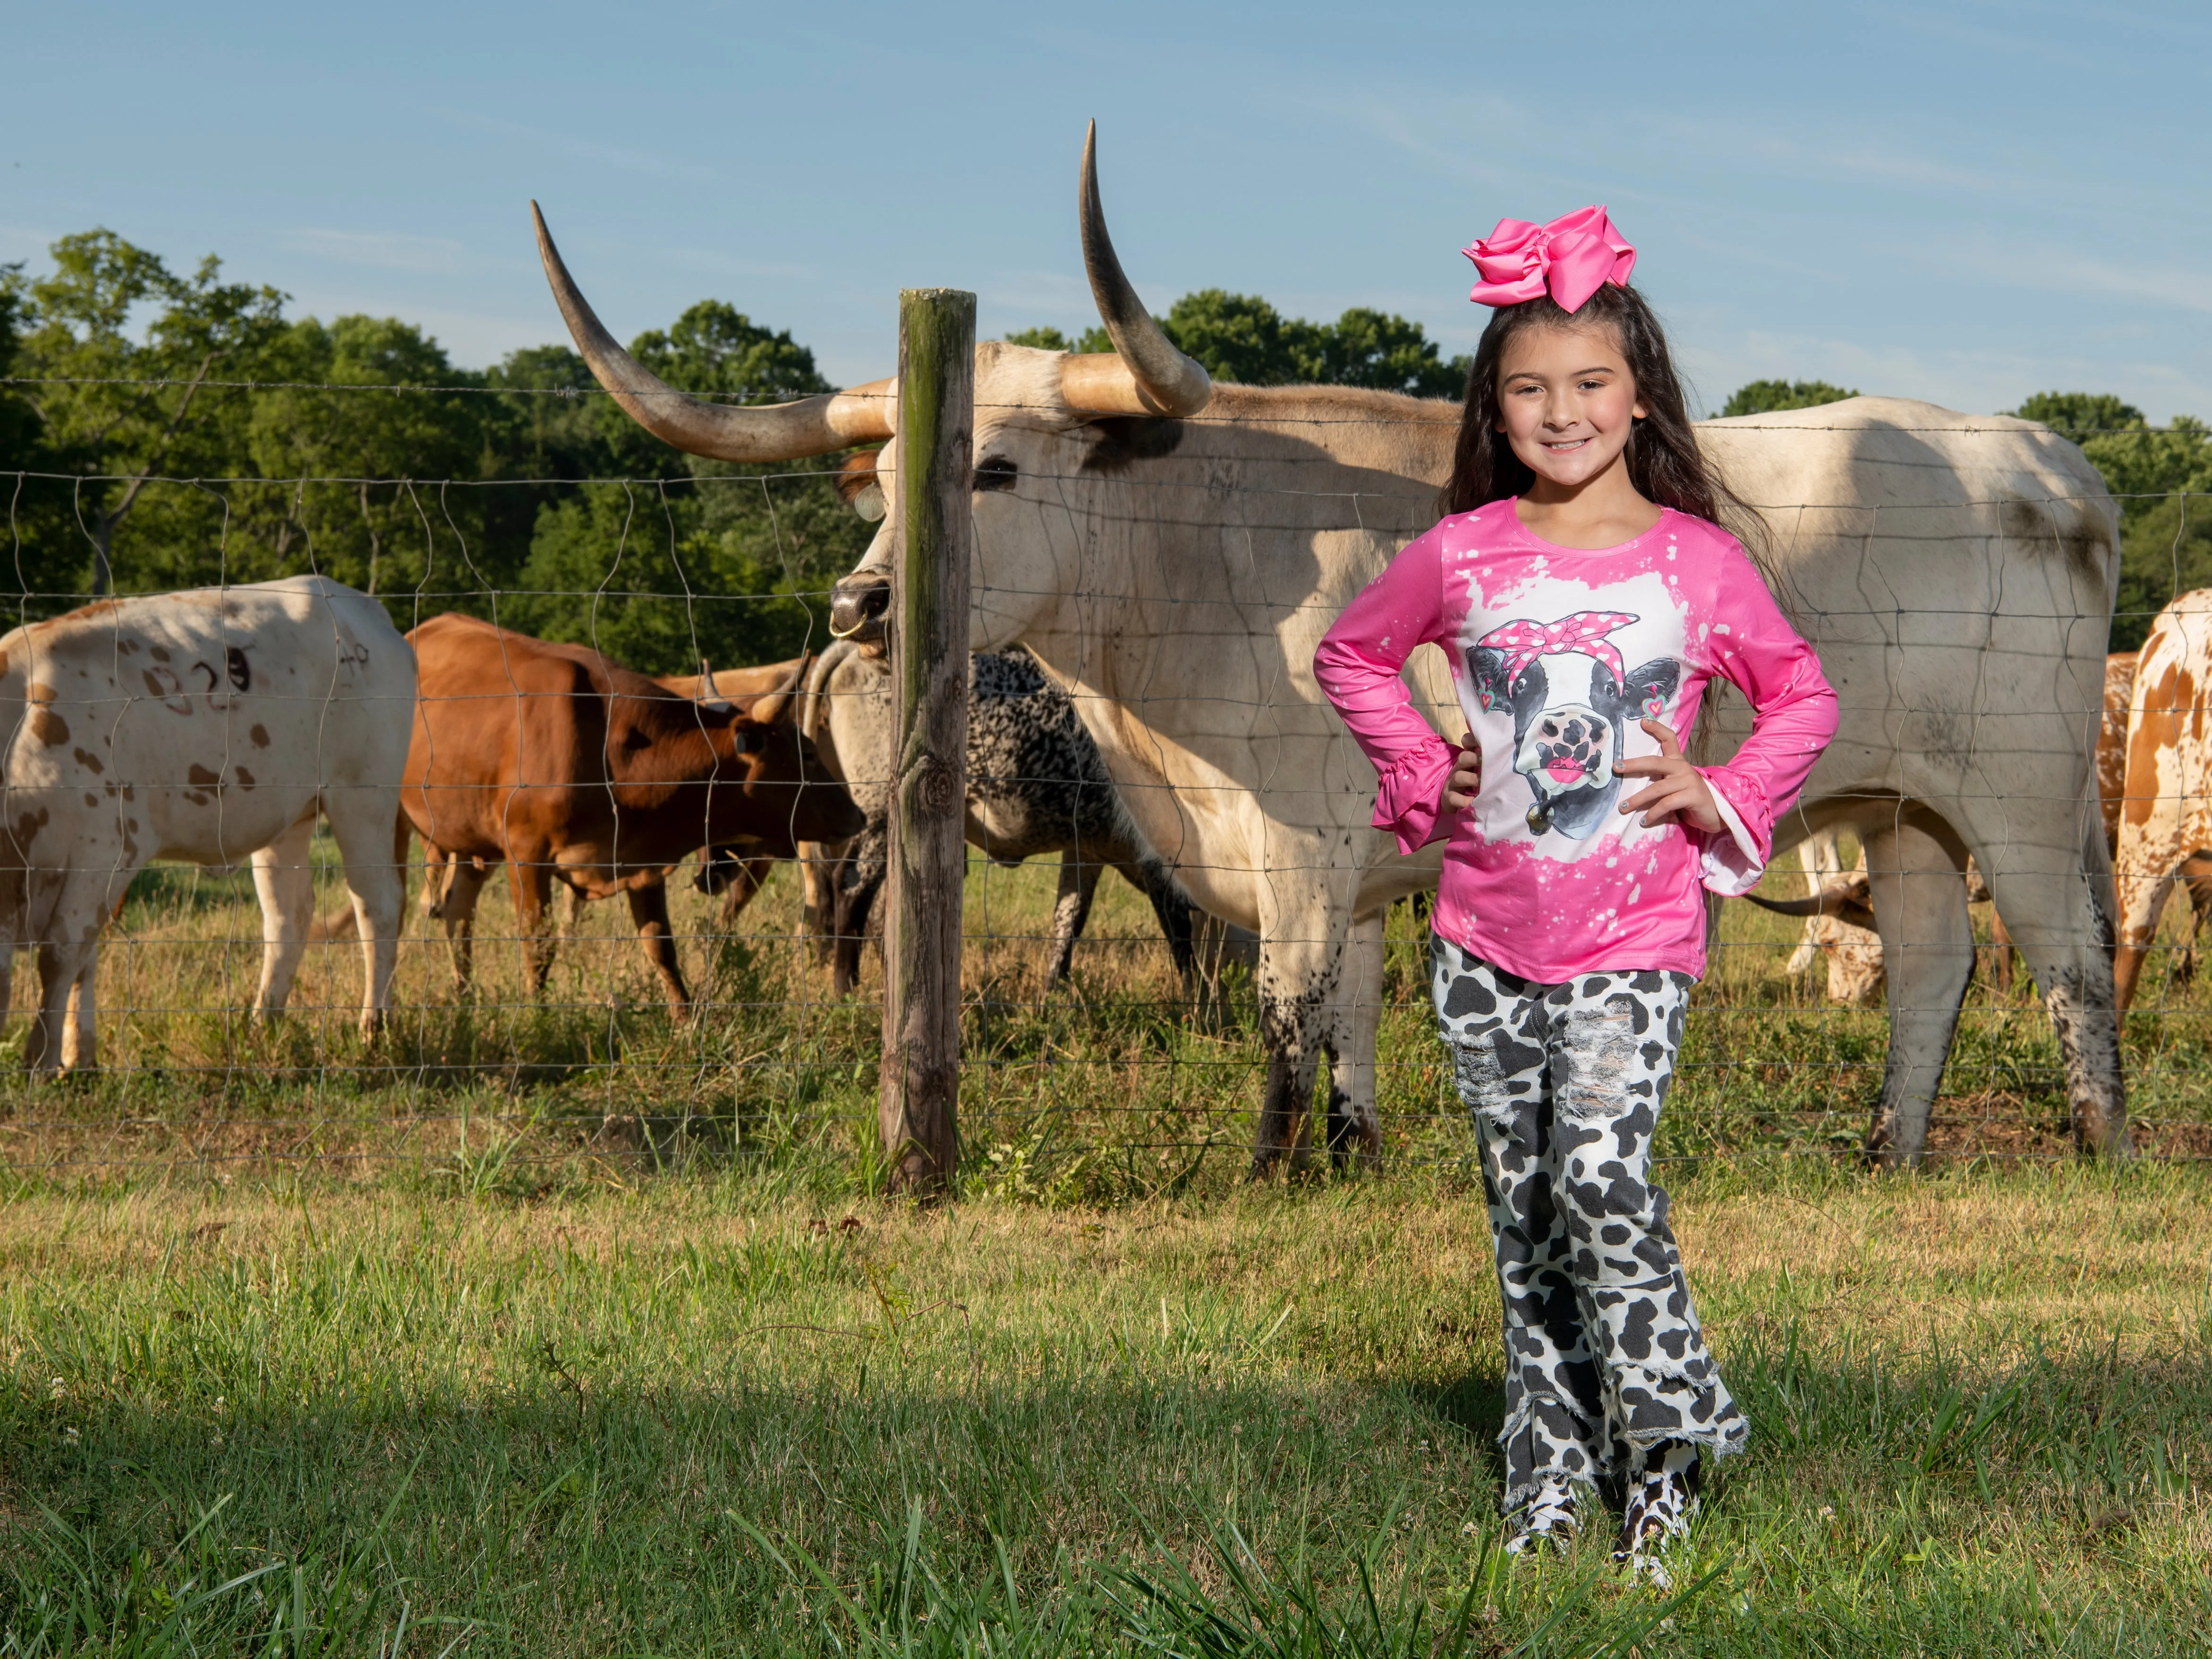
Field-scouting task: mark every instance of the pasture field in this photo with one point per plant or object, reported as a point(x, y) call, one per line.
point(753, 1412)
point(563, 1329)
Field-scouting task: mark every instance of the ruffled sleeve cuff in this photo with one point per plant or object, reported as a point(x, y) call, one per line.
point(1731, 862)
point(1409, 802)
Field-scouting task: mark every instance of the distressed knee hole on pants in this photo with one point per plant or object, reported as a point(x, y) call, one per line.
point(1604, 1354)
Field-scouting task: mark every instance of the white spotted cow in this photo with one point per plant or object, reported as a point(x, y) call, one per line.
point(209, 726)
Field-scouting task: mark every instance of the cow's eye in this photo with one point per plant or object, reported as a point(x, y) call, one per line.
point(996, 472)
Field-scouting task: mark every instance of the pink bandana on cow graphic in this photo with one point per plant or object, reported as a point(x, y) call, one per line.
point(1522, 643)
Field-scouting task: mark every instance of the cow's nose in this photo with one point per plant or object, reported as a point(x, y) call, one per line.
point(857, 604)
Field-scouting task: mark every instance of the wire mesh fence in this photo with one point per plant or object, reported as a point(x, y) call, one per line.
point(1128, 1073)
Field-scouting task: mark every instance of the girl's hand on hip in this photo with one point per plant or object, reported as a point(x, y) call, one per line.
point(1465, 780)
point(1678, 789)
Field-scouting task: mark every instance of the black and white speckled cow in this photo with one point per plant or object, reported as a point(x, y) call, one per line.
point(1035, 785)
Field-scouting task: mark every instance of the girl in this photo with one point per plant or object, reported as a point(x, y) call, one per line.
point(1582, 588)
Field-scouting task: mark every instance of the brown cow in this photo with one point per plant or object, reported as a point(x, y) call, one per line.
point(566, 766)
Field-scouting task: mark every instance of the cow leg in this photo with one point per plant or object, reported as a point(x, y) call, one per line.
point(1355, 1127)
point(286, 884)
point(819, 867)
point(1172, 909)
point(2152, 850)
point(1820, 858)
point(2001, 943)
point(2197, 877)
point(67, 965)
point(1071, 911)
point(438, 866)
point(2062, 924)
point(864, 877)
point(1301, 957)
point(81, 1046)
point(376, 876)
point(745, 883)
point(648, 910)
point(1919, 893)
point(531, 881)
point(464, 885)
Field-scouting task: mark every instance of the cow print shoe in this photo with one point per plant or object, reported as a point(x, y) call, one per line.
point(1662, 1500)
point(1552, 1516)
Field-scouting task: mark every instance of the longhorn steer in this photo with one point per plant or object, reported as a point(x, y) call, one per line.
point(1172, 553)
point(2164, 804)
point(568, 767)
point(209, 727)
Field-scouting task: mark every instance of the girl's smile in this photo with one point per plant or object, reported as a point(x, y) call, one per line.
point(1567, 402)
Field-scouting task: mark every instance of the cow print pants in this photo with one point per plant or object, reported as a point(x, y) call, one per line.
point(1604, 1360)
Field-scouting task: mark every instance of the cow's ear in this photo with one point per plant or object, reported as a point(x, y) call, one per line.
point(1651, 687)
point(1486, 668)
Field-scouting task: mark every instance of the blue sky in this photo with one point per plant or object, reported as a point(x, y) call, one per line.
point(1960, 202)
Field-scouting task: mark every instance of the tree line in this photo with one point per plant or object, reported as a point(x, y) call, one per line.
point(516, 492)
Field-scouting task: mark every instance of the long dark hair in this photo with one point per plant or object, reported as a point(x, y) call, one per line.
point(1664, 462)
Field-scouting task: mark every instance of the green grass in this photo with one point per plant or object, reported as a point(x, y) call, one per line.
point(742, 1413)
point(559, 1327)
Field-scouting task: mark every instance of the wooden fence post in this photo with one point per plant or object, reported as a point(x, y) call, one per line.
point(920, 1080)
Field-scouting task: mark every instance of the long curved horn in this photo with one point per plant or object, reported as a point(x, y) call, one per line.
point(1144, 375)
point(775, 432)
point(770, 709)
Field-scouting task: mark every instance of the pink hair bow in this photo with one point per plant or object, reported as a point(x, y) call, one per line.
point(1573, 256)
point(1585, 631)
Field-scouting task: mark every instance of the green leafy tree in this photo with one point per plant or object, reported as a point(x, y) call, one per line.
point(123, 407)
point(2165, 552)
point(1380, 350)
point(553, 426)
point(1766, 397)
point(38, 553)
point(2080, 415)
point(358, 486)
point(21, 436)
point(2160, 478)
point(1242, 338)
point(2144, 466)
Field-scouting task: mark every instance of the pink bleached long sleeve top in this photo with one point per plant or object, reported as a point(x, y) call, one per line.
point(1559, 654)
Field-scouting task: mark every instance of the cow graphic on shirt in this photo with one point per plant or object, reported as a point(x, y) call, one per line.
point(1571, 697)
